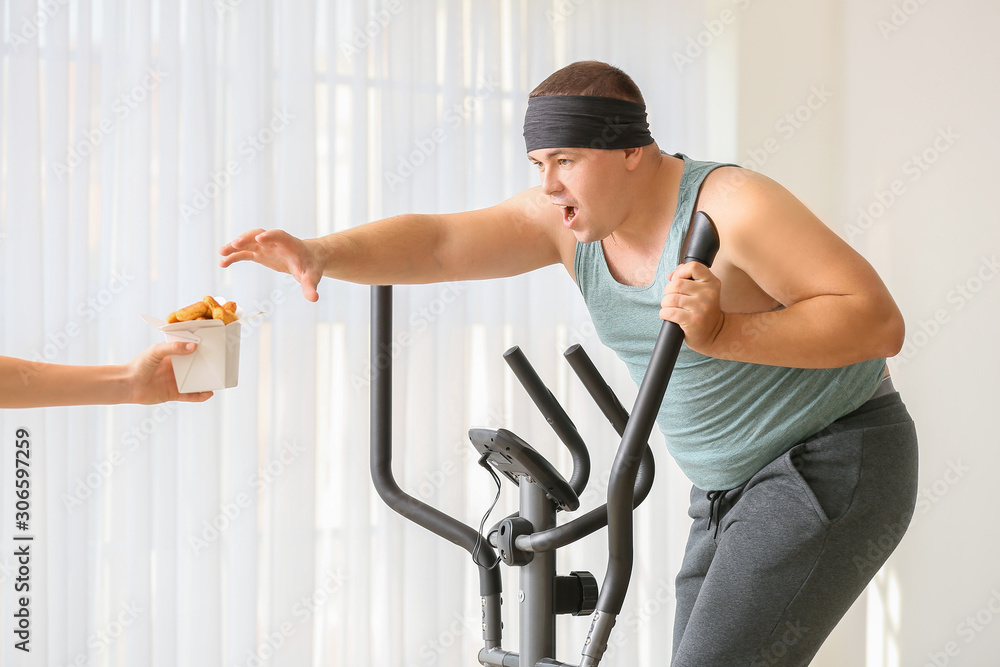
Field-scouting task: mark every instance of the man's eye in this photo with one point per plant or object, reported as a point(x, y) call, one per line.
point(563, 162)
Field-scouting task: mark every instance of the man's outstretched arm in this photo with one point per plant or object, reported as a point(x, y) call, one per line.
point(518, 235)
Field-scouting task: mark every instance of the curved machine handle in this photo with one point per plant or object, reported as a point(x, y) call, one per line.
point(702, 245)
point(413, 509)
point(554, 415)
point(597, 518)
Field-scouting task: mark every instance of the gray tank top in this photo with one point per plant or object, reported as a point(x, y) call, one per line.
point(722, 420)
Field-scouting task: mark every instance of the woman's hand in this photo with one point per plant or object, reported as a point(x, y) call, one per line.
point(150, 376)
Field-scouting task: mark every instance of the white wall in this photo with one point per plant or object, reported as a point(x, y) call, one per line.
point(905, 128)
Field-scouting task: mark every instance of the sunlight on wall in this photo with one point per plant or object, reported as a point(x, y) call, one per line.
point(884, 612)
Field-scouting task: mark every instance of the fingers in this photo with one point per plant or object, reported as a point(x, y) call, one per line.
point(196, 397)
point(161, 350)
point(261, 240)
point(176, 347)
point(692, 292)
point(691, 279)
point(672, 310)
point(237, 256)
point(692, 271)
point(156, 353)
point(309, 290)
point(272, 237)
point(240, 242)
point(240, 249)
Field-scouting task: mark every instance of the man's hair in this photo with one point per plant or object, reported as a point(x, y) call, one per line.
point(590, 77)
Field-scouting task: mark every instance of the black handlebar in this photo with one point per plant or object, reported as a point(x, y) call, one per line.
point(554, 415)
point(597, 518)
point(381, 455)
point(701, 245)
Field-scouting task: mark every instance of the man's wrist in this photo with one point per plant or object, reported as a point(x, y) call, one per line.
point(321, 251)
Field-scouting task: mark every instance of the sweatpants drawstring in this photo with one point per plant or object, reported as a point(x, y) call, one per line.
point(714, 508)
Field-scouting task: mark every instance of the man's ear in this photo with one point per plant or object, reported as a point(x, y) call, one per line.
point(633, 157)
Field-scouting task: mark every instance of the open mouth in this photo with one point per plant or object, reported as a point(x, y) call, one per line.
point(569, 212)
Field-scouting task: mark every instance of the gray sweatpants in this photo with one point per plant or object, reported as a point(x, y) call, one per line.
point(773, 565)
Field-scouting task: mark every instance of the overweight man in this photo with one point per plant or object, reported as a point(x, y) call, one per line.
point(780, 410)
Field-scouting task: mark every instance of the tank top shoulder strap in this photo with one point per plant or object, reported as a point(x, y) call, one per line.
point(693, 177)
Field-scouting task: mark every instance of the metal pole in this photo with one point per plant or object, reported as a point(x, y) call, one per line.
point(537, 633)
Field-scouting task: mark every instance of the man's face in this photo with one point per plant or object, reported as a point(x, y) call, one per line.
point(583, 183)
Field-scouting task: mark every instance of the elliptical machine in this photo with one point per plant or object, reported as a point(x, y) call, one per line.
point(528, 539)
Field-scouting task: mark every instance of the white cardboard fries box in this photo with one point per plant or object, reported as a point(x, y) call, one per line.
point(216, 362)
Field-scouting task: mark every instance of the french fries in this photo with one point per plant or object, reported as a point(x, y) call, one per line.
point(195, 311)
point(221, 313)
point(206, 309)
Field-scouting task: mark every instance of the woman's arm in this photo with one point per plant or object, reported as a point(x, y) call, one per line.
point(147, 379)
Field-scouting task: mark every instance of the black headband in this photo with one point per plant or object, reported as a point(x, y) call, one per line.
point(584, 121)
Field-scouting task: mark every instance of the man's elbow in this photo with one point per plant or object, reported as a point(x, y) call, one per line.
point(892, 332)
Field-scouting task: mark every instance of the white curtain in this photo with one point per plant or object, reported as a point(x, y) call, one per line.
point(137, 137)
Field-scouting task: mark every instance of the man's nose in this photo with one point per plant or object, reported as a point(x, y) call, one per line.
point(550, 182)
